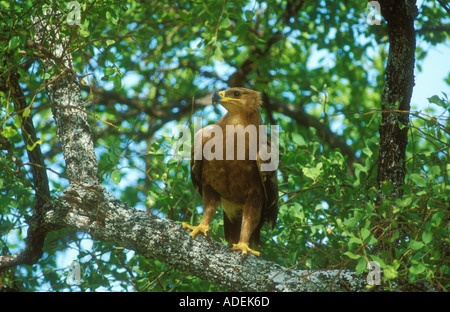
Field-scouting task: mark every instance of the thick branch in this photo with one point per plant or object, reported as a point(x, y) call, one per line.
point(36, 234)
point(164, 240)
point(29, 136)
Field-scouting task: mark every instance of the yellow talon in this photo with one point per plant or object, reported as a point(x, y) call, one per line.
point(196, 229)
point(245, 249)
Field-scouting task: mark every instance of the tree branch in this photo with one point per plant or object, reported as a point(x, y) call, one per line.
point(36, 234)
point(445, 6)
point(164, 240)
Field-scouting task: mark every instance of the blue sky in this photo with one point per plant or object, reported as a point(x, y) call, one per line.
point(430, 81)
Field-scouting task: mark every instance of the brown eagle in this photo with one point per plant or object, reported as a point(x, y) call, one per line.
point(230, 174)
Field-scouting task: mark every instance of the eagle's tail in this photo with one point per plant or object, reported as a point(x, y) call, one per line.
point(232, 231)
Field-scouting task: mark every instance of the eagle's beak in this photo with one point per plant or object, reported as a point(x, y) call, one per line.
point(216, 98)
point(219, 97)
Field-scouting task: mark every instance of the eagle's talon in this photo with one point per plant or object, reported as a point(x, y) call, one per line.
point(196, 229)
point(243, 247)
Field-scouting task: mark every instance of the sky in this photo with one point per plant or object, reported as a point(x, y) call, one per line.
point(430, 81)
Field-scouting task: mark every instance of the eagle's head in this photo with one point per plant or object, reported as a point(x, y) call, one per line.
point(236, 100)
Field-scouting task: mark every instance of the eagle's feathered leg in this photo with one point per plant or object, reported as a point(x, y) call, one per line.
point(211, 201)
point(250, 220)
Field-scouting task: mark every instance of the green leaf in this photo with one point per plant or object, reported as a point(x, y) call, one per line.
point(415, 245)
point(355, 240)
point(405, 202)
point(84, 31)
point(360, 167)
point(380, 261)
point(438, 101)
point(352, 255)
point(387, 187)
point(109, 71)
point(111, 16)
point(116, 176)
point(8, 132)
point(298, 139)
point(241, 29)
point(314, 172)
point(427, 237)
point(117, 82)
point(26, 112)
point(361, 266)
point(32, 147)
point(225, 23)
point(401, 125)
point(436, 219)
point(390, 272)
point(44, 75)
point(218, 54)
point(417, 179)
point(365, 233)
point(138, 270)
point(372, 240)
point(367, 151)
point(249, 15)
point(350, 223)
point(14, 42)
point(417, 268)
point(5, 4)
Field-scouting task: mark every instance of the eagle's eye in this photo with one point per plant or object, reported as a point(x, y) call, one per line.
point(237, 93)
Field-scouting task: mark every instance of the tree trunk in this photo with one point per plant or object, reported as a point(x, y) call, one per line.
point(396, 97)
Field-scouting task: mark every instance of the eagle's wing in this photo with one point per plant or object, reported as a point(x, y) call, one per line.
point(196, 177)
point(196, 161)
point(268, 173)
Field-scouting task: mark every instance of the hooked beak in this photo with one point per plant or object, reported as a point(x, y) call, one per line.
point(219, 97)
point(216, 98)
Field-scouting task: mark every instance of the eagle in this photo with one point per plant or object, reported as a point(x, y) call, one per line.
point(234, 178)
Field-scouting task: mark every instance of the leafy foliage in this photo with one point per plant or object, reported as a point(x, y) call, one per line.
point(145, 66)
